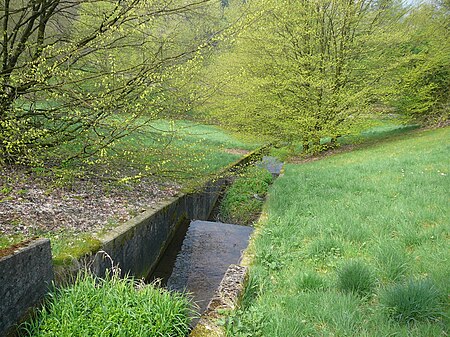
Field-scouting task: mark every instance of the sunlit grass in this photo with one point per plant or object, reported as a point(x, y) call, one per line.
point(243, 200)
point(110, 307)
point(180, 150)
point(372, 131)
point(385, 206)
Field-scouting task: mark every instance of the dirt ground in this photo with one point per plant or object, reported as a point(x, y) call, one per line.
point(33, 204)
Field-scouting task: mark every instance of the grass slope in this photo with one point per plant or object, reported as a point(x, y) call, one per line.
point(184, 149)
point(355, 245)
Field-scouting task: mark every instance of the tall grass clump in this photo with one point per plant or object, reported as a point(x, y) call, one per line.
point(110, 307)
point(356, 277)
point(415, 300)
point(310, 281)
point(325, 247)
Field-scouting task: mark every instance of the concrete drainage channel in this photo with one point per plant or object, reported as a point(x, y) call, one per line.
point(205, 264)
point(208, 249)
point(150, 246)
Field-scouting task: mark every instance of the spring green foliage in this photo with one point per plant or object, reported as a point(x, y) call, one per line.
point(372, 222)
point(111, 307)
point(420, 61)
point(180, 151)
point(301, 71)
point(69, 68)
point(243, 200)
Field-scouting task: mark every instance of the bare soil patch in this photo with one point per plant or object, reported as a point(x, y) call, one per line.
point(236, 151)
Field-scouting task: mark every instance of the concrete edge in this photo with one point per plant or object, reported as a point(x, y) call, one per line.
point(26, 277)
point(160, 206)
point(227, 297)
point(114, 233)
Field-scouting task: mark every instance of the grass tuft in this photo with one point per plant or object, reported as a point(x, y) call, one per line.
point(392, 261)
point(310, 281)
point(356, 277)
point(415, 300)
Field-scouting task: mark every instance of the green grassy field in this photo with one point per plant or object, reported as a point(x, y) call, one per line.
point(169, 150)
point(356, 244)
point(185, 149)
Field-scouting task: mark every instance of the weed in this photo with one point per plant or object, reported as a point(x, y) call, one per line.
point(69, 246)
point(6, 190)
point(310, 281)
point(252, 289)
point(415, 300)
point(248, 323)
point(356, 277)
point(270, 260)
point(22, 192)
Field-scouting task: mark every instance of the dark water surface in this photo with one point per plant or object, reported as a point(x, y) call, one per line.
point(207, 251)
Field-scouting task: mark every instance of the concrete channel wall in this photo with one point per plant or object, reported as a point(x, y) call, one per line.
point(25, 277)
point(135, 247)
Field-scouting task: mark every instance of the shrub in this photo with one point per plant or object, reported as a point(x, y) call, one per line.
point(356, 277)
point(416, 300)
point(111, 307)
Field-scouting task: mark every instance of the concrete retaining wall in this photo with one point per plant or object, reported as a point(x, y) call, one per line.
point(25, 277)
point(136, 246)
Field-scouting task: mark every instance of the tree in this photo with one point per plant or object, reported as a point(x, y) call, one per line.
point(300, 77)
point(305, 70)
point(82, 73)
point(421, 74)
